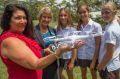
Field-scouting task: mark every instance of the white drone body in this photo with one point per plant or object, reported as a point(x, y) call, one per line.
point(70, 39)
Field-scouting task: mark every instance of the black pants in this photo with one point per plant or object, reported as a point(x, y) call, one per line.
point(50, 72)
point(104, 74)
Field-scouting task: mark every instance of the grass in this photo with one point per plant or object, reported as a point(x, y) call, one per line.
point(3, 71)
point(77, 74)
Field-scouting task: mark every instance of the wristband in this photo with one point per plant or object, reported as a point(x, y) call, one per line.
point(57, 57)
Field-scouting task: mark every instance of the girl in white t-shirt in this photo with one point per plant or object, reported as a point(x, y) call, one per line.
point(109, 62)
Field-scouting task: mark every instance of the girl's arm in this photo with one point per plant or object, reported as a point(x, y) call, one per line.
point(74, 54)
point(96, 53)
point(108, 55)
point(72, 60)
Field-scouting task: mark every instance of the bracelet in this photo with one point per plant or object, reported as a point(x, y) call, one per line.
point(56, 55)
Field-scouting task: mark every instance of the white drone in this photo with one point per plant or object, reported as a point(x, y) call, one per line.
point(75, 36)
point(70, 39)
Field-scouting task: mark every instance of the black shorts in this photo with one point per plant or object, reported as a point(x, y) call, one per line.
point(85, 63)
point(63, 63)
point(104, 74)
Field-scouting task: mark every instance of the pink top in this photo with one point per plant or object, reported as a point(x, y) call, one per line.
point(16, 71)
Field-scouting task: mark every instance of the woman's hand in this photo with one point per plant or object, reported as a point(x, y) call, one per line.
point(47, 51)
point(66, 47)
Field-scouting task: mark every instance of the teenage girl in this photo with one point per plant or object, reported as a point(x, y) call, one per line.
point(65, 28)
point(109, 62)
point(88, 54)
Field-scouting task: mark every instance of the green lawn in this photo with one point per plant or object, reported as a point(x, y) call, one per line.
point(3, 74)
point(77, 74)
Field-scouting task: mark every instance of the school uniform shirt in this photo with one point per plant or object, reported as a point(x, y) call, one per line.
point(66, 32)
point(112, 36)
point(87, 50)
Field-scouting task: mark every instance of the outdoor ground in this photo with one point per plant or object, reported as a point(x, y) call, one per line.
point(77, 74)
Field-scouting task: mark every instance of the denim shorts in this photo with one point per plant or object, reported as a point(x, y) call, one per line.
point(104, 74)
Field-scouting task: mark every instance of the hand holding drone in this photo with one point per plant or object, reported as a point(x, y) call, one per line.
point(70, 39)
